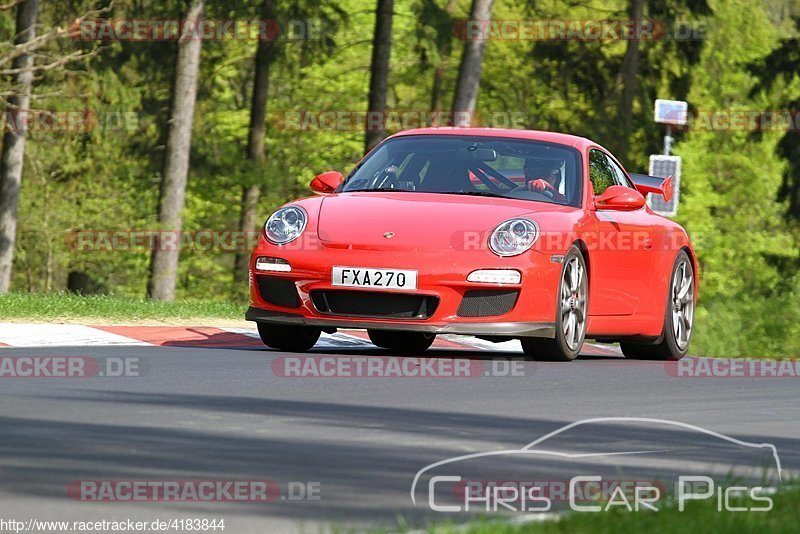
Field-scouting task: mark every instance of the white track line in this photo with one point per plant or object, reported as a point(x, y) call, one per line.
point(75, 335)
point(339, 340)
point(503, 346)
point(343, 340)
point(60, 335)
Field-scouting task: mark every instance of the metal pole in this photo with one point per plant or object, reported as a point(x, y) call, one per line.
point(668, 140)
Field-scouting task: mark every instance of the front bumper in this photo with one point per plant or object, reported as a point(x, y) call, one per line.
point(442, 274)
point(500, 329)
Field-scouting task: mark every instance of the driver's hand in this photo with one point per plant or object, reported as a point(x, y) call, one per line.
point(539, 185)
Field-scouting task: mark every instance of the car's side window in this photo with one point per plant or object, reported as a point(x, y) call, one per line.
point(601, 173)
point(604, 172)
point(621, 177)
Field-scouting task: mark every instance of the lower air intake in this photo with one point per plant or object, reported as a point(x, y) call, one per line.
point(487, 302)
point(278, 291)
point(374, 304)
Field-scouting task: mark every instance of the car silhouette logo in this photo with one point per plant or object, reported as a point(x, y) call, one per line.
point(388, 235)
point(535, 448)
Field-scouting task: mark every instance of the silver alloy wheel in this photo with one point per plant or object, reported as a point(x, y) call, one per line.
point(682, 298)
point(573, 303)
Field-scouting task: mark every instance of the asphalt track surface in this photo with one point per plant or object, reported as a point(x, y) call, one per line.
point(225, 413)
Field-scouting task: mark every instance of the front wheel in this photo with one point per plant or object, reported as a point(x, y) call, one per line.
point(404, 342)
point(573, 296)
point(678, 318)
point(288, 337)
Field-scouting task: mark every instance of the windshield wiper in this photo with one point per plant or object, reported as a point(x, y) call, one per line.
point(392, 189)
point(473, 193)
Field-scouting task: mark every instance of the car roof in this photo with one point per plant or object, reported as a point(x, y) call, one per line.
point(535, 135)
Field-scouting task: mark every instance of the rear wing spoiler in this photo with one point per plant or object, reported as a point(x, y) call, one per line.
point(652, 184)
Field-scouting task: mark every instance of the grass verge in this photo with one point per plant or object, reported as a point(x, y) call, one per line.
point(67, 307)
point(698, 517)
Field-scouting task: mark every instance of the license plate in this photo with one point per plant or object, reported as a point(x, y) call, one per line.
point(382, 278)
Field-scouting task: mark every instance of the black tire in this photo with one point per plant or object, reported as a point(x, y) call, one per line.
point(287, 337)
point(560, 348)
point(668, 347)
point(403, 342)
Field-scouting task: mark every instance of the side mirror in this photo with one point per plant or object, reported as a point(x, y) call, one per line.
point(327, 182)
point(619, 198)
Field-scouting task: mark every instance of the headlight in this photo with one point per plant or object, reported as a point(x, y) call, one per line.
point(513, 237)
point(286, 225)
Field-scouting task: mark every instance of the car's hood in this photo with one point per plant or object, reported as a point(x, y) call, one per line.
point(417, 220)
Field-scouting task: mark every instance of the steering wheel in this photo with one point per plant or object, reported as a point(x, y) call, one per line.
point(550, 193)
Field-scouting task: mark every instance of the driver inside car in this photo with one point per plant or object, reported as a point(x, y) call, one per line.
point(544, 178)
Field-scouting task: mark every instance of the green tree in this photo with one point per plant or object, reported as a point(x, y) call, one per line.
point(730, 182)
point(783, 65)
point(13, 149)
point(164, 259)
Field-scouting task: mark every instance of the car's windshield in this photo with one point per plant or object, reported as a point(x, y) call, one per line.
point(485, 166)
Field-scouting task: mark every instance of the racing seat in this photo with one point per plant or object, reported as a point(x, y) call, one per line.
point(445, 175)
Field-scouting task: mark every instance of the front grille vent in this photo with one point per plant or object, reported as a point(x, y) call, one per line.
point(374, 304)
point(278, 291)
point(487, 302)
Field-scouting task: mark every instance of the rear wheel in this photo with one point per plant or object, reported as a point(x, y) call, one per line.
point(573, 296)
point(287, 337)
point(405, 342)
point(678, 318)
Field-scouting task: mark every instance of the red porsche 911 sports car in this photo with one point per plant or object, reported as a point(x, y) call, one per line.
point(499, 234)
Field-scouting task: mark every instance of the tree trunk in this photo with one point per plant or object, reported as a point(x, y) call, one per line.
point(469, 73)
point(379, 77)
point(13, 152)
point(630, 67)
point(437, 90)
point(444, 53)
point(265, 54)
point(164, 258)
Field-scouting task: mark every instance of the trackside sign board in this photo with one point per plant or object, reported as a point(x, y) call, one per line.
point(662, 167)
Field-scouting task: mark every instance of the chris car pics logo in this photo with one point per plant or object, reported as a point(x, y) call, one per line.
point(629, 474)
